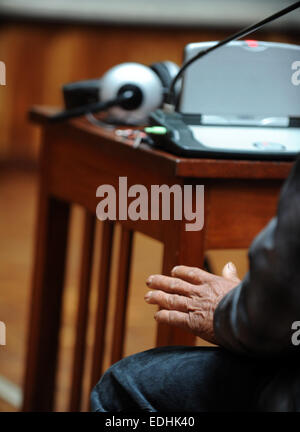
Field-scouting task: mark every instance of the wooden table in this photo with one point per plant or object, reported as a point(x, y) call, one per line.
point(77, 157)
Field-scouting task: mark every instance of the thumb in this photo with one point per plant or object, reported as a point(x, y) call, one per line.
point(230, 272)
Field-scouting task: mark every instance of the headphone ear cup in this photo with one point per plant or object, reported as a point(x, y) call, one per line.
point(81, 93)
point(166, 71)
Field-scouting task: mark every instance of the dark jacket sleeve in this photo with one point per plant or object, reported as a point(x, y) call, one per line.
point(256, 317)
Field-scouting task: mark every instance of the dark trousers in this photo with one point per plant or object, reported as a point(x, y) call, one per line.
point(189, 379)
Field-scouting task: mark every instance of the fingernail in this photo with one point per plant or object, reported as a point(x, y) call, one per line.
point(148, 296)
point(231, 266)
point(149, 280)
point(174, 269)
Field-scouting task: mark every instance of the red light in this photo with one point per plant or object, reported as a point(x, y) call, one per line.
point(252, 43)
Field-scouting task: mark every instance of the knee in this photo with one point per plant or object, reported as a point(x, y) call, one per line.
point(112, 392)
point(119, 387)
point(102, 393)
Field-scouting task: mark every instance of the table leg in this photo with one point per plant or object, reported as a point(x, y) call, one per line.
point(46, 302)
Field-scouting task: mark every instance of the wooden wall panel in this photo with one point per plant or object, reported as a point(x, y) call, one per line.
point(40, 58)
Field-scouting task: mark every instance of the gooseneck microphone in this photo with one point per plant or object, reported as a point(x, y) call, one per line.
point(242, 33)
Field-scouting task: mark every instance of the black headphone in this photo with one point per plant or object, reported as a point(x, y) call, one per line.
point(166, 72)
point(129, 92)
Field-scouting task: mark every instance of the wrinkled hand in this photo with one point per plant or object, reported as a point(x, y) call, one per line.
point(189, 298)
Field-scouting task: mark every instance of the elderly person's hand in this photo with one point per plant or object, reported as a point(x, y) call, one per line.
point(189, 298)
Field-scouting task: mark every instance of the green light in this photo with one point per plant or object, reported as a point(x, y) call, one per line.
point(156, 130)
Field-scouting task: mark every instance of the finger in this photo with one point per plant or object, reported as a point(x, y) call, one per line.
point(173, 318)
point(193, 275)
point(230, 272)
point(170, 285)
point(167, 301)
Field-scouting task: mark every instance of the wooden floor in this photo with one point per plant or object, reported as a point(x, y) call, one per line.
point(18, 199)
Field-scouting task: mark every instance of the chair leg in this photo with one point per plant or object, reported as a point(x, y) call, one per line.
point(83, 311)
point(102, 302)
point(122, 295)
